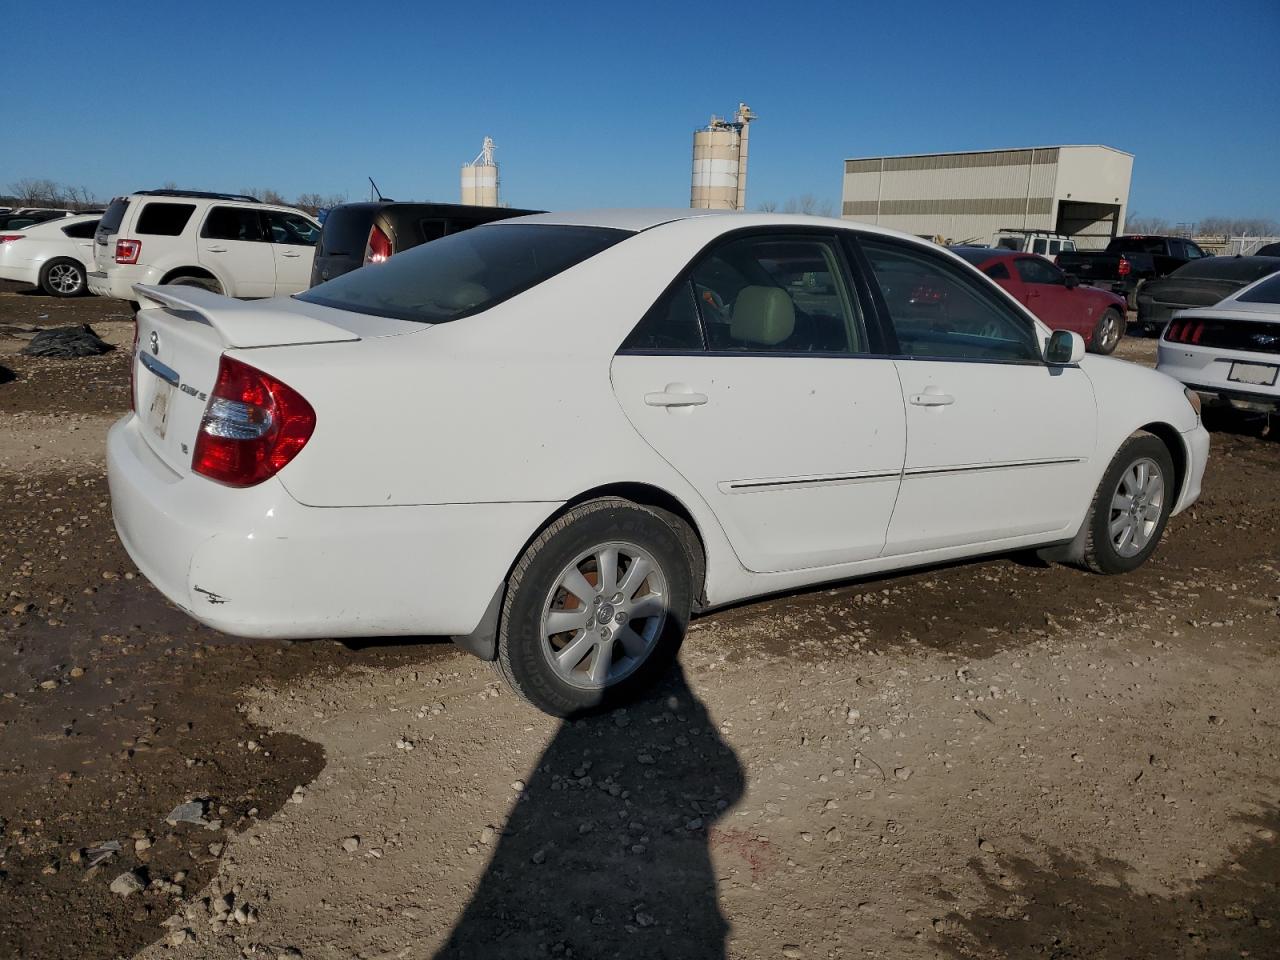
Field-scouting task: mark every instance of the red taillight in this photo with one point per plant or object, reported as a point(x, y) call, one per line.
point(1123, 268)
point(10, 237)
point(1184, 331)
point(127, 251)
point(378, 248)
point(252, 426)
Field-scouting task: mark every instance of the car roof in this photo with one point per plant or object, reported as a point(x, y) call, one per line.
point(978, 255)
point(634, 220)
point(57, 223)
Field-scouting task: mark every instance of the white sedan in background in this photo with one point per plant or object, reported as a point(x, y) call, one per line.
point(50, 255)
point(555, 437)
point(1229, 353)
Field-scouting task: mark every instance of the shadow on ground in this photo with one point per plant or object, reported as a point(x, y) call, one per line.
point(1073, 910)
point(607, 854)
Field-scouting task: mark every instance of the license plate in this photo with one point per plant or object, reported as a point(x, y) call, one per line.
point(158, 409)
point(1258, 374)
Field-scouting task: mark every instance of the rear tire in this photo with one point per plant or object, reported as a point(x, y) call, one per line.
point(204, 283)
point(1107, 334)
point(567, 653)
point(63, 277)
point(1131, 507)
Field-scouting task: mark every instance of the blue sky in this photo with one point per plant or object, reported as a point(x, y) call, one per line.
point(594, 104)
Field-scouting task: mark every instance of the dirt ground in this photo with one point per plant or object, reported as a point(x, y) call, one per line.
point(987, 760)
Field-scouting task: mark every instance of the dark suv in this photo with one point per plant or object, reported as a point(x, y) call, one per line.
point(358, 233)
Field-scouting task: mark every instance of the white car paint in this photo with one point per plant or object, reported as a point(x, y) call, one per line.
point(22, 260)
point(439, 451)
point(1244, 374)
point(258, 268)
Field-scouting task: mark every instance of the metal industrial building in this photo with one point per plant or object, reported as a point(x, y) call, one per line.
point(1080, 191)
point(720, 162)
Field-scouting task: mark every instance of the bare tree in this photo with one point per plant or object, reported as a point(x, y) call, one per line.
point(809, 205)
point(79, 198)
point(1136, 223)
point(768, 206)
point(33, 192)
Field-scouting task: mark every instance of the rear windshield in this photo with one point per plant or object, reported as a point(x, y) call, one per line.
point(1137, 245)
point(164, 219)
point(1240, 269)
point(111, 220)
point(346, 231)
point(463, 273)
point(1268, 291)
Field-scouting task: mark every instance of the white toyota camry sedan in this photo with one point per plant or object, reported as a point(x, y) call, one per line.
point(553, 438)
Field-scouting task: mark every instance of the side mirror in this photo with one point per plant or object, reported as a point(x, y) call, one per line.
point(1064, 348)
point(1071, 280)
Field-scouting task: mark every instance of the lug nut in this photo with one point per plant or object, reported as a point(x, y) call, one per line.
point(604, 633)
point(621, 618)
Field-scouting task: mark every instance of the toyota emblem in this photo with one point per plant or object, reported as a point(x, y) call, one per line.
point(155, 342)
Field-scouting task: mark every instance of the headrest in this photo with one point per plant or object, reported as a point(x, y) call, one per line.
point(466, 294)
point(763, 315)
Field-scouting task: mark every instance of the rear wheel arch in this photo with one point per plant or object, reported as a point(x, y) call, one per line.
point(482, 642)
point(191, 271)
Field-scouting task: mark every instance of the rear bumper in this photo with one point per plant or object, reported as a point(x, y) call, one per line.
point(118, 281)
point(255, 563)
point(1206, 372)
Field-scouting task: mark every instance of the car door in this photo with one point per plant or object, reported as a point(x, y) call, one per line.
point(1049, 298)
point(757, 377)
point(233, 246)
point(998, 442)
point(293, 241)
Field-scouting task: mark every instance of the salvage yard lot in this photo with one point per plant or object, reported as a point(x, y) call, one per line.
point(995, 759)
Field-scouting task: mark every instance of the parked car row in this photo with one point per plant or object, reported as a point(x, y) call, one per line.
point(1130, 261)
point(1200, 283)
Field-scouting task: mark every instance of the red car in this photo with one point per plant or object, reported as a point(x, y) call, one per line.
point(1055, 297)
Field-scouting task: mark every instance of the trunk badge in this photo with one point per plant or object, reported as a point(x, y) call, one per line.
point(155, 343)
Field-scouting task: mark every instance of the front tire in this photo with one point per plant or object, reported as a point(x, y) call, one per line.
point(596, 607)
point(63, 277)
point(1132, 506)
point(1107, 334)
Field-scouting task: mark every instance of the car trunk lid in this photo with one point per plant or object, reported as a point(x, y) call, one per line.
point(182, 333)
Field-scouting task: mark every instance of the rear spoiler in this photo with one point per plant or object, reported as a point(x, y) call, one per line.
point(243, 323)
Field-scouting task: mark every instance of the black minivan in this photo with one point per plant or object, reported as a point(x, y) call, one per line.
point(358, 233)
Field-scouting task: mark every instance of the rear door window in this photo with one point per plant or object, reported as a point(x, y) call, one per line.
point(232, 223)
point(671, 325)
point(289, 228)
point(997, 271)
point(81, 231)
point(432, 229)
point(164, 219)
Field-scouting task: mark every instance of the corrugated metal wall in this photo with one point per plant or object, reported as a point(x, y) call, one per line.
point(958, 196)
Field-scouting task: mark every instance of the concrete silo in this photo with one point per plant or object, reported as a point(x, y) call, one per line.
point(480, 178)
point(720, 162)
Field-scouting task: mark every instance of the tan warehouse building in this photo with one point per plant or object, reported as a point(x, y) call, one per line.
point(1080, 191)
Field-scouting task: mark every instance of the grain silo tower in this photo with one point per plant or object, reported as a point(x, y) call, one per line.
point(480, 178)
point(720, 162)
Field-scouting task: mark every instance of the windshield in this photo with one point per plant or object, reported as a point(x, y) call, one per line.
point(464, 273)
point(1268, 291)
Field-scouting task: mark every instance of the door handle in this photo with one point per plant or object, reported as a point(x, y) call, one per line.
point(216, 249)
point(675, 395)
point(292, 256)
point(932, 398)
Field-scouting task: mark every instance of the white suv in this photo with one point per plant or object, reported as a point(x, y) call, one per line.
point(222, 242)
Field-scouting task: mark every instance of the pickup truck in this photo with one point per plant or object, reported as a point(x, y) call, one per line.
point(1129, 262)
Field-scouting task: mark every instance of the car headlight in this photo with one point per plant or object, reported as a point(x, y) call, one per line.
point(1193, 398)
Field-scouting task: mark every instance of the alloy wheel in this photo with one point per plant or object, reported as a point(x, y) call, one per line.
point(65, 278)
point(604, 614)
point(1136, 507)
